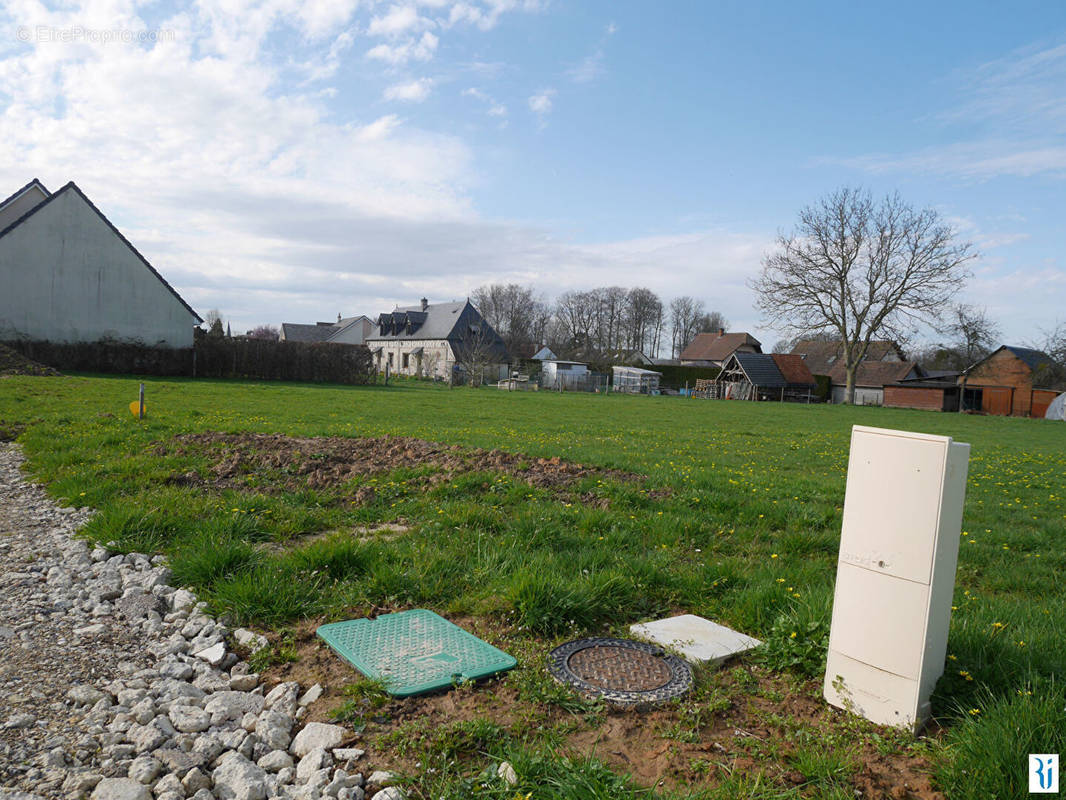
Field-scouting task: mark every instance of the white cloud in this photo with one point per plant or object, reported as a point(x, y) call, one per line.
point(487, 14)
point(495, 109)
point(421, 49)
point(541, 102)
point(398, 21)
point(413, 92)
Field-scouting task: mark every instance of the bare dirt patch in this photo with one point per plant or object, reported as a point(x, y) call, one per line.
point(327, 462)
point(14, 363)
point(755, 732)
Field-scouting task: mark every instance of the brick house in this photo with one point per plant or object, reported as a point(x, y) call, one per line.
point(882, 365)
point(1012, 381)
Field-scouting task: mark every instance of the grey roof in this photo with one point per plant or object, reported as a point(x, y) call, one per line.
point(456, 323)
point(1034, 359)
point(296, 332)
point(73, 187)
point(760, 368)
point(438, 321)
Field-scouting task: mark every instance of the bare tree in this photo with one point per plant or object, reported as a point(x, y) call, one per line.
point(577, 313)
point(712, 322)
point(515, 312)
point(213, 319)
point(479, 347)
point(268, 332)
point(643, 321)
point(861, 270)
point(685, 316)
point(1052, 342)
point(975, 334)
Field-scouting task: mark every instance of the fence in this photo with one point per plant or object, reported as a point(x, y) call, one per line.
point(586, 382)
point(210, 357)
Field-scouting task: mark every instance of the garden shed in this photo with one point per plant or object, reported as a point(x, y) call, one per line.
point(762, 376)
point(749, 376)
point(634, 380)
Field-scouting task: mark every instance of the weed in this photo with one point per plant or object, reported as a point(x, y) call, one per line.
point(798, 640)
point(365, 697)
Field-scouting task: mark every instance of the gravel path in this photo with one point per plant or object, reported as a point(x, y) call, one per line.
point(114, 685)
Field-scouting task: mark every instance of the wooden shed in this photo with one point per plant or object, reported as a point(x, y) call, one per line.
point(1012, 381)
point(759, 376)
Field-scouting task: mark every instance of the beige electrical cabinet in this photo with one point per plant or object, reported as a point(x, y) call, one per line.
point(899, 545)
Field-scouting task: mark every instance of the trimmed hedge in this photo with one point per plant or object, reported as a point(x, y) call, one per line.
point(675, 377)
point(210, 357)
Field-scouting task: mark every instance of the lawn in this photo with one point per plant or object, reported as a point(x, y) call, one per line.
point(724, 509)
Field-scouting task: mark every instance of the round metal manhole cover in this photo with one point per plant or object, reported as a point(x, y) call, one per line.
point(621, 671)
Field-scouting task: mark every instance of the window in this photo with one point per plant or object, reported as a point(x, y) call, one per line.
point(406, 363)
point(390, 359)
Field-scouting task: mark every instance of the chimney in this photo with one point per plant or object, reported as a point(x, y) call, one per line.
point(425, 304)
point(338, 316)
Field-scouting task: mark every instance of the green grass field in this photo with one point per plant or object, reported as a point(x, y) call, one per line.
point(736, 516)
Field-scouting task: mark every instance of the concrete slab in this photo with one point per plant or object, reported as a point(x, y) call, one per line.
point(699, 640)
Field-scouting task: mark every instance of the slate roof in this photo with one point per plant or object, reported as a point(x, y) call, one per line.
point(717, 347)
point(1034, 359)
point(792, 369)
point(821, 356)
point(319, 332)
point(296, 332)
point(875, 374)
point(760, 368)
point(73, 187)
point(437, 321)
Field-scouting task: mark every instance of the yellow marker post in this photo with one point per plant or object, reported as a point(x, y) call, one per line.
point(137, 407)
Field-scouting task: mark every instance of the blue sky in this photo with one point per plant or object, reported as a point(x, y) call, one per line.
point(285, 161)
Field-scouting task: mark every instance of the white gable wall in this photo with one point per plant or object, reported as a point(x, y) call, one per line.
point(21, 204)
point(355, 333)
point(68, 277)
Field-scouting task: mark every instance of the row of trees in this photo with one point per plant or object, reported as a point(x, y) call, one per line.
point(596, 323)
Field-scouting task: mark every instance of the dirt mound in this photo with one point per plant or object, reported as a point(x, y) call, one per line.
point(14, 363)
point(325, 462)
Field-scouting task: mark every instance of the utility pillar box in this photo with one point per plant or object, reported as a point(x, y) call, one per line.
point(899, 546)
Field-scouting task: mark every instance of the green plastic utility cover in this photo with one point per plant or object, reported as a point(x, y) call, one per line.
point(414, 652)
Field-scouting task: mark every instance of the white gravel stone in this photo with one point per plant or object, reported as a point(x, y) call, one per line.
point(213, 655)
point(195, 780)
point(253, 641)
point(311, 763)
point(121, 789)
point(144, 769)
point(105, 696)
point(391, 793)
point(275, 761)
point(237, 778)
point(311, 695)
point(190, 719)
point(317, 734)
point(506, 773)
point(348, 753)
point(381, 778)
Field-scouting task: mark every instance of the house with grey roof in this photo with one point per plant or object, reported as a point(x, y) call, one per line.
point(346, 330)
point(69, 275)
point(437, 339)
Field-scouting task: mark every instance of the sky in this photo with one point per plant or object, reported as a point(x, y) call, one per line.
point(286, 161)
